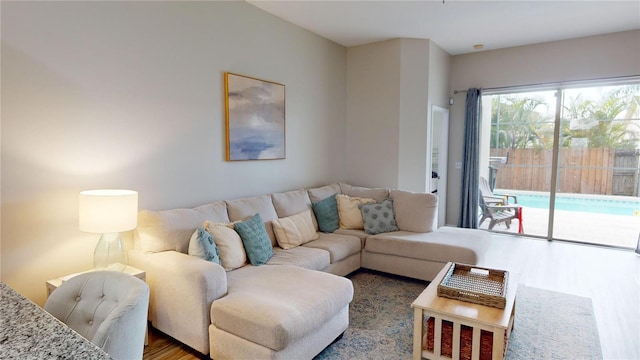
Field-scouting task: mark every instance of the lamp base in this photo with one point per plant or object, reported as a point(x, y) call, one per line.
point(109, 253)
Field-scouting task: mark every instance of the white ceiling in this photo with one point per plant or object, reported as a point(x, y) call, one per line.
point(457, 25)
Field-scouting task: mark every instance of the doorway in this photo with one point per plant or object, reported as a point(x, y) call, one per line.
point(437, 169)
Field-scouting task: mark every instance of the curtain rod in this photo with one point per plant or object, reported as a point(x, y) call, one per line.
point(557, 83)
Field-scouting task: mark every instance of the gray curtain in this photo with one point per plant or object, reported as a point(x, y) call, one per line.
point(470, 158)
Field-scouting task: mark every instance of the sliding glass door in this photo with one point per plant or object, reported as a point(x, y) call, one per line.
point(570, 155)
point(597, 188)
point(520, 157)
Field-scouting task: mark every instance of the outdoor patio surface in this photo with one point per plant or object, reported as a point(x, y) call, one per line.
point(604, 229)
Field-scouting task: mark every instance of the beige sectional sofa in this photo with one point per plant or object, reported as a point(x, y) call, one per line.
point(297, 303)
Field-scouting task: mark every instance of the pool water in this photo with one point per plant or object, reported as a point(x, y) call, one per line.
point(603, 205)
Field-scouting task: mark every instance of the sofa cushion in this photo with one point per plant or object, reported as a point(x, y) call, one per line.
point(294, 230)
point(172, 229)
point(353, 232)
point(203, 246)
point(291, 202)
point(326, 211)
point(275, 306)
point(415, 211)
point(255, 239)
point(378, 218)
point(444, 245)
point(317, 194)
point(339, 246)
point(349, 211)
point(378, 194)
point(240, 209)
point(229, 243)
point(305, 257)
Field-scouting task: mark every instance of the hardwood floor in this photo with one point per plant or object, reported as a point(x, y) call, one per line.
point(163, 347)
point(610, 277)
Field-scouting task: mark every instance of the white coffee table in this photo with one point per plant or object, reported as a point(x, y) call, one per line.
point(499, 322)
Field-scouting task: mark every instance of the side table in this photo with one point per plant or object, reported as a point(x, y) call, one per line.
point(54, 283)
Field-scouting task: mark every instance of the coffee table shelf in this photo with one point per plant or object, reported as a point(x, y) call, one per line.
point(460, 315)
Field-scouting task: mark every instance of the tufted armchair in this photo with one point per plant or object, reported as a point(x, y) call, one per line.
point(109, 308)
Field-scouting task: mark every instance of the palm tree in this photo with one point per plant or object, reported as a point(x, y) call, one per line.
point(519, 122)
point(605, 122)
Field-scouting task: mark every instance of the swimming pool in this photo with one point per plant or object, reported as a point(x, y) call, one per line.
point(583, 203)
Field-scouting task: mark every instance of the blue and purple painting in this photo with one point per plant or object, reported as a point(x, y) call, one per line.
point(255, 118)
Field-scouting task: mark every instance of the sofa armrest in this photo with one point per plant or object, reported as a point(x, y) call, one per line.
point(182, 290)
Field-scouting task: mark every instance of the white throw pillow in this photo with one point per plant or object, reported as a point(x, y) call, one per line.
point(294, 230)
point(232, 254)
point(349, 212)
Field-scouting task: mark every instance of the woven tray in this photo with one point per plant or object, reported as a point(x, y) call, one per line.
point(476, 285)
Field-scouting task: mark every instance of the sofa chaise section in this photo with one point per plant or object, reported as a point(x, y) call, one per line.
point(420, 249)
point(422, 255)
point(278, 311)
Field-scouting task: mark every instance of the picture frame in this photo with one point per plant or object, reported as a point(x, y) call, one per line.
point(255, 118)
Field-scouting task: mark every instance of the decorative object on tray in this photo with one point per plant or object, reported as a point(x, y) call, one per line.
point(475, 284)
point(254, 117)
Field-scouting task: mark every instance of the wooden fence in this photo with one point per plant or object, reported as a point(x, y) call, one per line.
point(602, 171)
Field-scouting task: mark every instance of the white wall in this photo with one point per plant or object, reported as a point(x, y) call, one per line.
point(130, 95)
point(413, 115)
point(373, 106)
point(592, 57)
point(389, 89)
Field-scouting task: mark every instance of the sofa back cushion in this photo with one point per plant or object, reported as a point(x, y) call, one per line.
point(172, 229)
point(241, 209)
point(292, 203)
point(317, 194)
point(377, 194)
point(415, 211)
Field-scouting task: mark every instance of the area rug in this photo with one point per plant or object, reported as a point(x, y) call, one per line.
point(548, 325)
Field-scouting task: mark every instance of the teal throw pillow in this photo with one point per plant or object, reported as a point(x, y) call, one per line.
point(255, 239)
point(203, 246)
point(378, 218)
point(326, 211)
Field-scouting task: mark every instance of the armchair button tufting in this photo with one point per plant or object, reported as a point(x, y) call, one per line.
point(90, 322)
point(77, 298)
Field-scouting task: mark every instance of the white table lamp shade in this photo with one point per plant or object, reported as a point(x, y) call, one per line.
point(108, 212)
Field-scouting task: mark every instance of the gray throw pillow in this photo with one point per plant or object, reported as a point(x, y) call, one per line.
point(378, 218)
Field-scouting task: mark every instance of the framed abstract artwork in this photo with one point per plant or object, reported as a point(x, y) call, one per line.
point(255, 118)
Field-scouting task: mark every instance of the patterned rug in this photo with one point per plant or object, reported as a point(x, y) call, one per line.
point(548, 325)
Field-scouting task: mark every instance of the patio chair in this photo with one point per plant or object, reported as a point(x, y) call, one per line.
point(491, 198)
point(501, 213)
